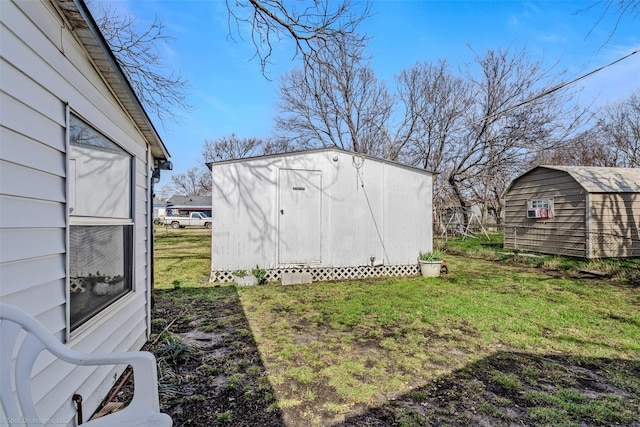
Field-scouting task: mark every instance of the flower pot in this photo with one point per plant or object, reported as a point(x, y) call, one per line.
point(430, 268)
point(248, 280)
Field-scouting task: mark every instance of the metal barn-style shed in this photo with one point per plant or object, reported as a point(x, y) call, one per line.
point(327, 212)
point(78, 155)
point(587, 212)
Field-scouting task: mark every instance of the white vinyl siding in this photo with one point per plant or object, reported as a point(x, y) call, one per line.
point(44, 71)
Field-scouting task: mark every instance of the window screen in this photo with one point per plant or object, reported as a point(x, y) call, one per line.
point(100, 267)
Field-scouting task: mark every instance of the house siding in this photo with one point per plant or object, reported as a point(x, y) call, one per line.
point(564, 234)
point(44, 71)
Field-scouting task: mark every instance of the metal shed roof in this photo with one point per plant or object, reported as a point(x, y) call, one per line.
point(596, 179)
point(322, 150)
point(87, 32)
point(603, 180)
point(189, 200)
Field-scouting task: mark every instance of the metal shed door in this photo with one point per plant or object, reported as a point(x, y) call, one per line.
point(299, 225)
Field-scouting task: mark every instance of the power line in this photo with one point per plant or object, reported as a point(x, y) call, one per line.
point(554, 89)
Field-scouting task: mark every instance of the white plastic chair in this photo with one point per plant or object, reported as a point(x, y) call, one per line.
point(144, 409)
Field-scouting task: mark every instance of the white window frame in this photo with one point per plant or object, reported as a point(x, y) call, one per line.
point(124, 220)
point(540, 208)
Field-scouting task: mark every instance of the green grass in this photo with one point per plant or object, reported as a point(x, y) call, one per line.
point(182, 258)
point(491, 249)
point(373, 340)
point(332, 347)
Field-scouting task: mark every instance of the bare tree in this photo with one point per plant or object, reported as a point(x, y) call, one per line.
point(335, 102)
point(612, 141)
point(230, 147)
point(618, 128)
point(195, 182)
point(585, 149)
point(618, 8)
point(313, 25)
point(278, 145)
point(434, 101)
point(136, 49)
point(233, 147)
point(514, 114)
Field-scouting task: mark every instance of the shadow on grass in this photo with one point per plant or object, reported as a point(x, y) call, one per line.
point(510, 388)
point(224, 382)
point(218, 378)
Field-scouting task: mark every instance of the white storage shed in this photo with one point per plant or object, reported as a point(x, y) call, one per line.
point(77, 156)
point(328, 212)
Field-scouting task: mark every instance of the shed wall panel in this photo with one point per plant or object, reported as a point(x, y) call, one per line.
point(361, 217)
point(408, 213)
point(357, 212)
point(564, 234)
point(249, 197)
point(614, 225)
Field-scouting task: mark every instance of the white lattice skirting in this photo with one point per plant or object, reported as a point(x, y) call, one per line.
point(320, 274)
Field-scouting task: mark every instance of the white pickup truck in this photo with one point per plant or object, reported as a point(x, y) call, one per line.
point(195, 219)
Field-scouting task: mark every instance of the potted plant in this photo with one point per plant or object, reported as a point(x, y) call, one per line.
point(241, 277)
point(430, 263)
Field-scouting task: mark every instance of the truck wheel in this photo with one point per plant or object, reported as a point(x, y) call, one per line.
point(207, 225)
point(175, 225)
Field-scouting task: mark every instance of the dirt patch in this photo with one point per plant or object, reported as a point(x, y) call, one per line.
point(509, 389)
point(209, 366)
point(214, 376)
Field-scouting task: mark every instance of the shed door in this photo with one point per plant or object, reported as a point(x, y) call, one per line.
point(299, 213)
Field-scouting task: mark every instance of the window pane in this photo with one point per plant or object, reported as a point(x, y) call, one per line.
point(100, 268)
point(100, 174)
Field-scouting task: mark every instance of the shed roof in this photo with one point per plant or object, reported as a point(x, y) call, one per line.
point(599, 179)
point(189, 200)
point(87, 32)
point(322, 150)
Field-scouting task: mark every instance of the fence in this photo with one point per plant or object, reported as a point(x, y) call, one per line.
point(330, 273)
point(575, 242)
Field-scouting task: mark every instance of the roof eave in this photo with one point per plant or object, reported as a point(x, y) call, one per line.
point(87, 31)
point(320, 150)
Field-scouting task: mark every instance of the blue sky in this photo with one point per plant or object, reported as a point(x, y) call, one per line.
point(229, 94)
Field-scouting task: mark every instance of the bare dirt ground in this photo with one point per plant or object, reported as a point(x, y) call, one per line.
point(224, 381)
point(219, 379)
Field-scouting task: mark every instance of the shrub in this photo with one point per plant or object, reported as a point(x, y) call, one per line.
point(260, 274)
